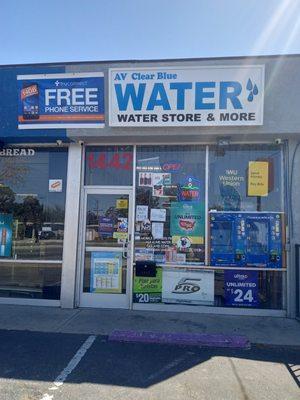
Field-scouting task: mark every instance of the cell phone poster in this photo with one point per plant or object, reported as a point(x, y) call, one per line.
point(187, 219)
point(5, 235)
point(106, 272)
point(241, 288)
point(52, 101)
point(106, 226)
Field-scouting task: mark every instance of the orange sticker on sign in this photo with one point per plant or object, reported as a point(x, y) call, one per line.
point(55, 185)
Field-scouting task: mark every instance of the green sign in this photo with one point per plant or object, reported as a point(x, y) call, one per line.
point(148, 289)
point(187, 219)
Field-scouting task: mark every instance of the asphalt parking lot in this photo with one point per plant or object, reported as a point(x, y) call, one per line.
point(90, 367)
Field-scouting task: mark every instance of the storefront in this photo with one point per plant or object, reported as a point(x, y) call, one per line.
point(165, 186)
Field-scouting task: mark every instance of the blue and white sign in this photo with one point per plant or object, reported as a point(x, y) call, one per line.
point(6, 221)
point(241, 288)
point(194, 96)
point(73, 100)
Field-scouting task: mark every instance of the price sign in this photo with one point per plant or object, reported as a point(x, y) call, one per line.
point(241, 288)
point(147, 289)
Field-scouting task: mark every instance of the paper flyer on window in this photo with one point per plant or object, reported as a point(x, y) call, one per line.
point(106, 272)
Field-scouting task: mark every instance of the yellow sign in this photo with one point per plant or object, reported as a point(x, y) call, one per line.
point(120, 235)
point(258, 178)
point(122, 203)
point(190, 240)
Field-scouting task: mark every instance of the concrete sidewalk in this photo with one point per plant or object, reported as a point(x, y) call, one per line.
point(259, 330)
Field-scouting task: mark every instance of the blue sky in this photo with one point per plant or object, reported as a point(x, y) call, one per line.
point(35, 31)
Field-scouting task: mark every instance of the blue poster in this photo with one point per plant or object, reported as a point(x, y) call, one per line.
point(241, 288)
point(61, 101)
point(106, 226)
point(5, 235)
point(106, 272)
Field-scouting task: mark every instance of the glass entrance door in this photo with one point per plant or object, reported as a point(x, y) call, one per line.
point(106, 253)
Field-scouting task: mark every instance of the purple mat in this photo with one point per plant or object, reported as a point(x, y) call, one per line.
point(193, 339)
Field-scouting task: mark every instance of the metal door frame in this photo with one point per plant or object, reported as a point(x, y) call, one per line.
point(204, 309)
point(117, 190)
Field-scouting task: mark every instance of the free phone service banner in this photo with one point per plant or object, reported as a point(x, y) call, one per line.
point(61, 101)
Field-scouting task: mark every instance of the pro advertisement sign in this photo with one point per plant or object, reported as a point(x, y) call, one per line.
point(61, 101)
point(193, 96)
point(188, 287)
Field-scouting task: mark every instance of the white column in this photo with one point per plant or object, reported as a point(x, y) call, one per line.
point(68, 279)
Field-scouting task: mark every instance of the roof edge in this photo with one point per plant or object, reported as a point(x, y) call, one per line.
point(138, 61)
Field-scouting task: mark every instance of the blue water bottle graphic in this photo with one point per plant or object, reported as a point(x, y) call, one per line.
point(30, 100)
point(3, 241)
point(5, 235)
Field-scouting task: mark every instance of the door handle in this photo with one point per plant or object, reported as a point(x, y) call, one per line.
point(125, 249)
point(125, 253)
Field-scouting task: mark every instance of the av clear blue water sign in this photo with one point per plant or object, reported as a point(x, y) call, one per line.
point(74, 100)
point(192, 96)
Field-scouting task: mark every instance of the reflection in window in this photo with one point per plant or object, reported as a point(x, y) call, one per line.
point(106, 227)
point(30, 280)
point(104, 218)
point(229, 178)
point(32, 210)
point(32, 195)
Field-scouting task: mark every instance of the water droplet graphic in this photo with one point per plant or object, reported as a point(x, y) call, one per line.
point(255, 90)
point(249, 84)
point(250, 97)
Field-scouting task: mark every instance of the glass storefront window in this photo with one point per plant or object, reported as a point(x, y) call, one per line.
point(170, 209)
point(264, 289)
point(105, 236)
point(220, 288)
point(108, 165)
point(30, 280)
point(234, 182)
point(245, 224)
point(32, 210)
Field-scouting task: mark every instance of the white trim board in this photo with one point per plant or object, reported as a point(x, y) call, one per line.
point(61, 126)
point(209, 310)
point(29, 302)
point(62, 75)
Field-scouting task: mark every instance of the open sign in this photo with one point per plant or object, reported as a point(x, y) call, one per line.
point(172, 166)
